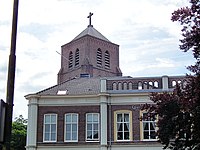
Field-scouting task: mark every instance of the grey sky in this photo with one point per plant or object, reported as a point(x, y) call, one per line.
point(148, 39)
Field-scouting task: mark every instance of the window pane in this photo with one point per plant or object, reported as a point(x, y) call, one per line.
point(47, 128)
point(152, 135)
point(74, 127)
point(145, 126)
point(126, 135)
point(126, 126)
point(119, 136)
point(146, 135)
point(74, 118)
point(95, 135)
point(89, 117)
point(89, 134)
point(47, 118)
point(53, 118)
point(126, 117)
point(74, 136)
point(119, 127)
point(46, 137)
point(53, 136)
point(89, 127)
point(68, 118)
point(119, 117)
point(152, 126)
point(68, 127)
point(53, 128)
point(95, 118)
point(95, 126)
point(68, 136)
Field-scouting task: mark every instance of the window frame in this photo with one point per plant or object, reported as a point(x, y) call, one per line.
point(142, 127)
point(44, 127)
point(130, 125)
point(86, 134)
point(71, 123)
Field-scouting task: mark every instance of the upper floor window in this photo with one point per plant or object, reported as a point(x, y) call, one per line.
point(50, 128)
point(99, 57)
point(107, 59)
point(71, 127)
point(123, 125)
point(70, 59)
point(77, 57)
point(92, 127)
point(148, 126)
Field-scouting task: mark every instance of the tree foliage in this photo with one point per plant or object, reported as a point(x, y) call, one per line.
point(179, 111)
point(18, 137)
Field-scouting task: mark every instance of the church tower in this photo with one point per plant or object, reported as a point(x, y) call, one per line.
point(89, 54)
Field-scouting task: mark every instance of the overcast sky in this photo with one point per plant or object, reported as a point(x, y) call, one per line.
point(147, 37)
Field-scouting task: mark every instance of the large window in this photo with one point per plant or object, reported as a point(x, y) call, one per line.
point(123, 126)
point(92, 127)
point(71, 127)
point(50, 128)
point(148, 126)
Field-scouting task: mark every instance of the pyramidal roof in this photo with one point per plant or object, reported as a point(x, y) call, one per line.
point(90, 30)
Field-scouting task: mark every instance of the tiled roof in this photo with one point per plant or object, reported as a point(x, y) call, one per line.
point(90, 30)
point(80, 86)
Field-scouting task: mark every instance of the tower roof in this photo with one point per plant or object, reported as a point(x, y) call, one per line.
point(90, 30)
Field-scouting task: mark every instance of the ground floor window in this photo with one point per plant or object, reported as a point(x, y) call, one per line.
point(123, 125)
point(71, 127)
point(92, 127)
point(50, 128)
point(148, 126)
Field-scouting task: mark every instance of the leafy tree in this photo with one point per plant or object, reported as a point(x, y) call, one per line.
point(18, 137)
point(179, 111)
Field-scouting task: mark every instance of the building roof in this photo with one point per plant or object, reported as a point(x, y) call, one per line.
point(90, 30)
point(92, 86)
point(79, 86)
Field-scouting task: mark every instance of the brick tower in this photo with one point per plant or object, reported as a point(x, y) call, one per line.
point(89, 54)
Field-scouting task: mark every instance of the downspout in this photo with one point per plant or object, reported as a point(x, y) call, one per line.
point(110, 123)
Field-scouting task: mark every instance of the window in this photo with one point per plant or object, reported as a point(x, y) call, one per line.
point(130, 86)
point(99, 57)
point(148, 126)
point(114, 86)
point(124, 86)
point(50, 128)
point(107, 59)
point(71, 127)
point(139, 85)
point(123, 125)
point(70, 59)
point(77, 57)
point(92, 127)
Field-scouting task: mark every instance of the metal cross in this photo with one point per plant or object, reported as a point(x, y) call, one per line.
point(90, 18)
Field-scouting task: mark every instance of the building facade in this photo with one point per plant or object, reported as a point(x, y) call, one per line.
point(93, 107)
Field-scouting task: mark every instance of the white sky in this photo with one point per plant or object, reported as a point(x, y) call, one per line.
point(147, 37)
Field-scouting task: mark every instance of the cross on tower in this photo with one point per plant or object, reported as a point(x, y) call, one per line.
point(90, 18)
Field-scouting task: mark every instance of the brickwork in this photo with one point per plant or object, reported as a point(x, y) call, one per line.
point(88, 46)
point(82, 110)
point(61, 111)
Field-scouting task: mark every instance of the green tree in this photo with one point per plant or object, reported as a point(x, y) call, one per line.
point(179, 111)
point(18, 137)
